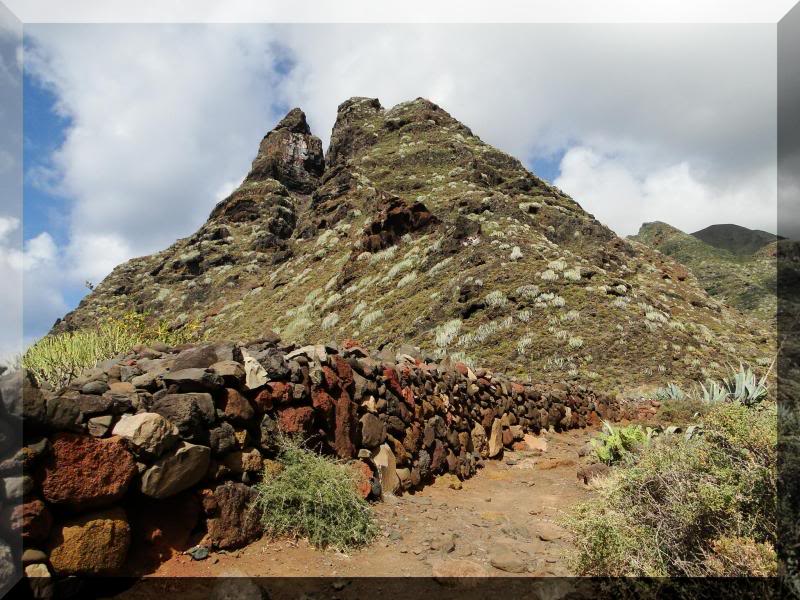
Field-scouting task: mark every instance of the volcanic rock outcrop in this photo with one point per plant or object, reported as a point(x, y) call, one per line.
point(411, 229)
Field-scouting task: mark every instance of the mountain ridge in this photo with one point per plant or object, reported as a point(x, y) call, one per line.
point(747, 282)
point(411, 229)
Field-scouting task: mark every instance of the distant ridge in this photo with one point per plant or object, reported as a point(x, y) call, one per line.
point(736, 239)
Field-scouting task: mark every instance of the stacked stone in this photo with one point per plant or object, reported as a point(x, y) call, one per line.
point(193, 427)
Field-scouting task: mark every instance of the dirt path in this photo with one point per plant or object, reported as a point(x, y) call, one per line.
point(502, 522)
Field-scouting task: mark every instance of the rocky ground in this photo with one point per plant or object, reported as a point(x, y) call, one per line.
point(501, 522)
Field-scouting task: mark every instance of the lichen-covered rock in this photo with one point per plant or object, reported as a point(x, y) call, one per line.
point(290, 154)
point(176, 471)
point(93, 544)
point(235, 520)
point(192, 414)
point(149, 433)
point(83, 472)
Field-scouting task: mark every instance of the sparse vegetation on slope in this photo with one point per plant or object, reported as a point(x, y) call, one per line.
point(58, 358)
point(744, 279)
point(698, 506)
point(414, 223)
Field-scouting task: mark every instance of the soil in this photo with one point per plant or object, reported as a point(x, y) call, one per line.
point(503, 522)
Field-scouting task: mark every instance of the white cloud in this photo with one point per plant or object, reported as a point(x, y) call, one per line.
point(30, 272)
point(677, 194)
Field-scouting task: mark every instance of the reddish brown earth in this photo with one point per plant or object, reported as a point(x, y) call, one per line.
point(502, 522)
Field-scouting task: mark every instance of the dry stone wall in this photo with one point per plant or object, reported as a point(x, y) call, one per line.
point(150, 448)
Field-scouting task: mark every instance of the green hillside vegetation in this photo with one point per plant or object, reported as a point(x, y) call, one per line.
point(414, 230)
point(746, 281)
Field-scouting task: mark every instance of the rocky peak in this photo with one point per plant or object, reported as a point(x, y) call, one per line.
point(290, 154)
point(351, 132)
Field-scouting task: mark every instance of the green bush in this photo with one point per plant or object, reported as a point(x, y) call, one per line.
point(57, 359)
point(617, 444)
point(314, 496)
point(688, 507)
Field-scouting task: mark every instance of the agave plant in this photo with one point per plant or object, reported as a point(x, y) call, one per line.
point(714, 392)
point(670, 392)
point(745, 387)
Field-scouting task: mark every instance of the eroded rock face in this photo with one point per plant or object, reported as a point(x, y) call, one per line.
point(94, 544)
point(395, 218)
point(347, 136)
point(84, 473)
point(290, 154)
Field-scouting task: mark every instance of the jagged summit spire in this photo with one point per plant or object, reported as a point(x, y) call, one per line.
point(290, 154)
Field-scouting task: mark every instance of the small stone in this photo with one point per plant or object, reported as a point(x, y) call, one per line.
point(198, 553)
point(503, 558)
point(99, 426)
point(32, 555)
point(547, 532)
point(40, 581)
point(95, 387)
point(387, 469)
point(496, 439)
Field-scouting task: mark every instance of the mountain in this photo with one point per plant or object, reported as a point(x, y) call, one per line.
point(411, 229)
point(744, 281)
point(736, 239)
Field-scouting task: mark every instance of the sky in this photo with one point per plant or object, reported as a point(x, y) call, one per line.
point(133, 132)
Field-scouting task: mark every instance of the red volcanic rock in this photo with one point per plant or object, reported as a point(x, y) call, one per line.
point(461, 368)
point(517, 388)
point(331, 379)
point(393, 381)
point(274, 393)
point(323, 403)
point(237, 407)
point(408, 396)
point(363, 474)
point(345, 372)
point(32, 520)
point(83, 472)
point(295, 419)
point(345, 430)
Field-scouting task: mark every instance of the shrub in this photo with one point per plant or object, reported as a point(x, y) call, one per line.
point(314, 496)
point(688, 507)
point(330, 321)
point(617, 444)
point(496, 298)
point(57, 359)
